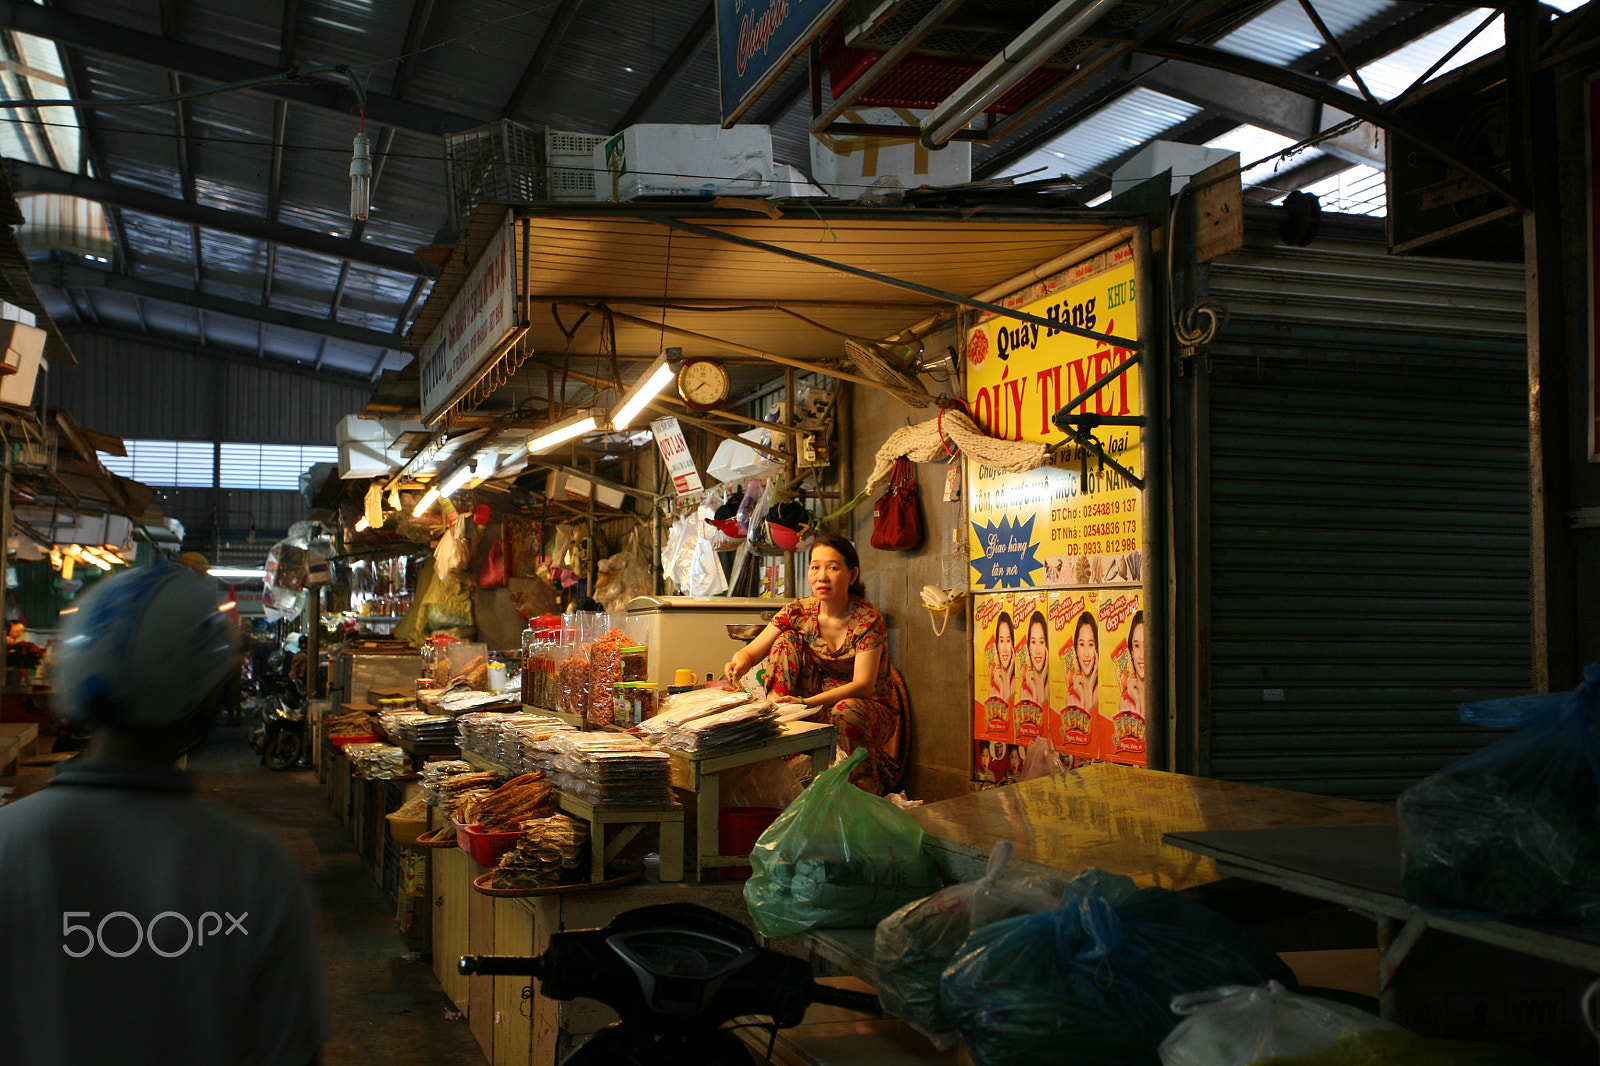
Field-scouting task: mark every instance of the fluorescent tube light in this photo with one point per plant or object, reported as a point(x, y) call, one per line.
point(362, 525)
point(1024, 55)
point(237, 573)
point(457, 478)
point(565, 430)
point(426, 502)
point(647, 388)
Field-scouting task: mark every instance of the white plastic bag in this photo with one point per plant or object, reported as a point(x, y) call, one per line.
point(735, 460)
point(1236, 1025)
point(1040, 760)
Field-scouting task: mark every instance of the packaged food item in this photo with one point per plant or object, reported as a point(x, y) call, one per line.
point(635, 663)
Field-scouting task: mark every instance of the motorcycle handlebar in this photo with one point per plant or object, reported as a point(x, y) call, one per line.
point(849, 999)
point(501, 965)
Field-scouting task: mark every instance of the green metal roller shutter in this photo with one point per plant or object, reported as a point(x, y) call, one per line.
point(1368, 564)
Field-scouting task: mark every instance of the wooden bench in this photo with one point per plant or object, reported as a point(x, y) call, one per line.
point(18, 740)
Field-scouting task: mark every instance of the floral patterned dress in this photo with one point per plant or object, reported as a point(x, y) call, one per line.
point(801, 664)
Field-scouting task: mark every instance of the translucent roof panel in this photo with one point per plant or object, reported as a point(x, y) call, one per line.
point(1356, 191)
point(1285, 32)
point(1392, 75)
point(1133, 119)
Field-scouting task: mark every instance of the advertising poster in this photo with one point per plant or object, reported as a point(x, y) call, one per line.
point(1122, 702)
point(1066, 537)
point(1073, 723)
point(995, 670)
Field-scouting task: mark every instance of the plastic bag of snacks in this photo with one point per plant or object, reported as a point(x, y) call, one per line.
point(605, 670)
point(1509, 828)
point(915, 943)
point(1238, 1025)
point(1089, 983)
point(838, 857)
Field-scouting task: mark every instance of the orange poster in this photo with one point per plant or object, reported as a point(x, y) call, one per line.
point(995, 670)
point(1122, 728)
point(1033, 666)
point(1073, 724)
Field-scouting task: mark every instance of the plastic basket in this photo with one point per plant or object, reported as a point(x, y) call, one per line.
point(920, 81)
point(569, 164)
point(486, 848)
point(405, 831)
point(502, 162)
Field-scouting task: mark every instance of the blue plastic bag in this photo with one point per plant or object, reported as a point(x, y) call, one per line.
point(1509, 829)
point(1091, 982)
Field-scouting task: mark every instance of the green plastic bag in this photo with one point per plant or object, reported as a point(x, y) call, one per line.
point(836, 858)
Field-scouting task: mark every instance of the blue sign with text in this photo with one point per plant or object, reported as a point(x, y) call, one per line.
point(756, 42)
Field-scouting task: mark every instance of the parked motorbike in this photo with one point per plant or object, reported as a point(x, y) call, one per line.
point(675, 973)
point(279, 732)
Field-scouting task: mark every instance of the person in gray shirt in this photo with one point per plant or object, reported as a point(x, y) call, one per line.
point(137, 923)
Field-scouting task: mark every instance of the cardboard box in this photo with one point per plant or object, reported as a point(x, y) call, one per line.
point(24, 345)
point(846, 165)
point(666, 159)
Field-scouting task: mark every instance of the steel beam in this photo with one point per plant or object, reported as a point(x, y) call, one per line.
point(108, 38)
point(29, 177)
point(74, 276)
point(1249, 102)
point(225, 353)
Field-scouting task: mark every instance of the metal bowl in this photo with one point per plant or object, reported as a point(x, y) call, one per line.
point(745, 630)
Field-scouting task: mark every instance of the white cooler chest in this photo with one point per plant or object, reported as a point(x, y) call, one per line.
point(686, 632)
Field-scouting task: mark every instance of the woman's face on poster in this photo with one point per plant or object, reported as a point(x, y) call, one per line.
point(1038, 647)
point(1088, 650)
point(1136, 650)
point(1004, 646)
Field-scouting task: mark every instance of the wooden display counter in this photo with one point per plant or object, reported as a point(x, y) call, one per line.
point(513, 1030)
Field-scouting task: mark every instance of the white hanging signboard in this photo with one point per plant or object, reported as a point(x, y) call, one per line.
point(483, 312)
point(675, 450)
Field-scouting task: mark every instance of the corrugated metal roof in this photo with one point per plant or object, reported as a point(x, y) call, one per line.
point(467, 65)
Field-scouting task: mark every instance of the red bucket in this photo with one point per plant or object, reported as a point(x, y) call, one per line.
point(738, 829)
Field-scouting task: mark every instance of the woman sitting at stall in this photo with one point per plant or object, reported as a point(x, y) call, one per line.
point(827, 650)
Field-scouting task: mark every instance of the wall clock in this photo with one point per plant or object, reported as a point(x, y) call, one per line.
point(704, 384)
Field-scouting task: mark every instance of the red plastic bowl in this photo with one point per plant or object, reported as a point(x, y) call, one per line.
point(783, 537)
point(728, 527)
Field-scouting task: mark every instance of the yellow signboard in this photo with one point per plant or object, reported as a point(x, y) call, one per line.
point(1056, 553)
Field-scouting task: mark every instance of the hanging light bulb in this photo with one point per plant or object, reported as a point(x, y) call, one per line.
point(361, 178)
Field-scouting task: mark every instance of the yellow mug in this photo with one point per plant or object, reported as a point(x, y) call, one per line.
point(684, 677)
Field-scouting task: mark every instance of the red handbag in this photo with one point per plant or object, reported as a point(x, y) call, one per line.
point(492, 574)
point(897, 516)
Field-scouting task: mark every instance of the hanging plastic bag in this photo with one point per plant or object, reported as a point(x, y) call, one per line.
point(735, 460)
point(838, 857)
point(1509, 829)
point(915, 943)
point(1040, 760)
point(492, 574)
point(452, 554)
point(1237, 1025)
point(1089, 983)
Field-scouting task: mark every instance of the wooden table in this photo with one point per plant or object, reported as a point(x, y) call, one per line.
point(18, 740)
point(632, 818)
point(1115, 817)
point(702, 775)
point(1439, 975)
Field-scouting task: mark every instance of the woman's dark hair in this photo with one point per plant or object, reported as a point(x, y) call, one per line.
point(852, 559)
point(1039, 620)
point(1137, 621)
point(1005, 620)
point(1086, 619)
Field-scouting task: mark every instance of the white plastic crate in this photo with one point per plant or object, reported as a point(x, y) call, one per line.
point(498, 163)
point(569, 164)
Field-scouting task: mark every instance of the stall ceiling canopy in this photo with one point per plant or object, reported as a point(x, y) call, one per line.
point(661, 280)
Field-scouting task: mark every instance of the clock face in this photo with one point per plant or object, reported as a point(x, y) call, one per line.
point(703, 383)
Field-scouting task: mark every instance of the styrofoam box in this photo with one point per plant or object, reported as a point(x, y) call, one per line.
point(354, 427)
point(846, 165)
point(791, 181)
point(666, 159)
